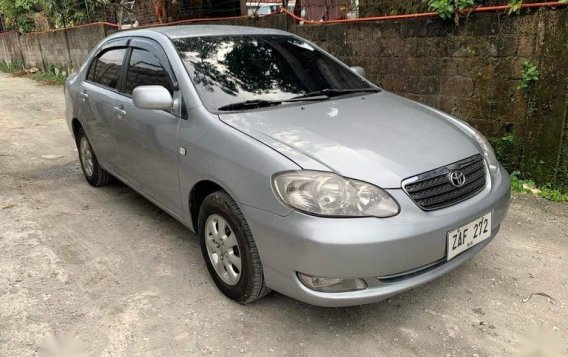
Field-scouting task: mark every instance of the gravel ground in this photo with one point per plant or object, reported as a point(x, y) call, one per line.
point(111, 268)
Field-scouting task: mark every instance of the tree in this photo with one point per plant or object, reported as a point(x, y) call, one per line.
point(18, 14)
point(65, 13)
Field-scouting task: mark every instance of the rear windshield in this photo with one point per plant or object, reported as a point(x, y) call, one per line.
point(230, 69)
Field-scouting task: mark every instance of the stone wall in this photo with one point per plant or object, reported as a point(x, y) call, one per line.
point(472, 71)
point(391, 7)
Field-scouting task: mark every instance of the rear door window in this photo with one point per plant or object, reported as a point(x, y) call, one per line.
point(107, 68)
point(144, 69)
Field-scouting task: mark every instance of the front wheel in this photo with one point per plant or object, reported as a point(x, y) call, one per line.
point(94, 173)
point(229, 249)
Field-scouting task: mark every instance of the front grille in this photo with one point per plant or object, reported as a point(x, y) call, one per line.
point(434, 190)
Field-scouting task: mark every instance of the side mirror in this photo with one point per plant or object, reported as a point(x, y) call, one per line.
point(152, 97)
point(359, 70)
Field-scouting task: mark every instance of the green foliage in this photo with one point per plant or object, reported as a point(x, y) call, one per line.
point(53, 75)
point(49, 78)
point(15, 67)
point(521, 185)
point(515, 6)
point(18, 14)
point(64, 13)
point(447, 8)
point(553, 195)
point(506, 150)
point(529, 75)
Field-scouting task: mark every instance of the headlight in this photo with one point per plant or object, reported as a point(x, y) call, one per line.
point(487, 151)
point(328, 194)
point(483, 143)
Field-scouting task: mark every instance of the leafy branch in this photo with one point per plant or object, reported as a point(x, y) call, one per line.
point(448, 8)
point(529, 75)
point(515, 6)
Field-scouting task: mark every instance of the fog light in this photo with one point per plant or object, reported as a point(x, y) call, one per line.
point(331, 285)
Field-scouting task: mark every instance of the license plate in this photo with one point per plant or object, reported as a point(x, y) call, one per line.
point(467, 236)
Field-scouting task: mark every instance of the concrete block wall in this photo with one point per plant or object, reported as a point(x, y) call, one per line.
point(64, 49)
point(54, 50)
point(10, 47)
point(31, 50)
point(81, 40)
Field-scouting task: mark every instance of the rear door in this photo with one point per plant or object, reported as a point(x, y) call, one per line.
point(147, 139)
point(97, 97)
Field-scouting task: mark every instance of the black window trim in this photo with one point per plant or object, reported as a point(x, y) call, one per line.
point(115, 44)
point(152, 46)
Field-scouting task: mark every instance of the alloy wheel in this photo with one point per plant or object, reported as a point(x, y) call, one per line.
point(86, 156)
point(223, 249)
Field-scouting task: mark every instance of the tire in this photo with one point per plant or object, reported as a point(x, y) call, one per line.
point(250, 285)
point(96, 176)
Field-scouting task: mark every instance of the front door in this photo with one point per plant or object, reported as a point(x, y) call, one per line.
point(147, 139)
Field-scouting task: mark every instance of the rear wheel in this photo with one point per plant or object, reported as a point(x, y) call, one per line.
point(229, 249)
point(94, 173)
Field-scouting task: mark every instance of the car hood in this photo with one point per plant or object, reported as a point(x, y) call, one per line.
point(380, 138)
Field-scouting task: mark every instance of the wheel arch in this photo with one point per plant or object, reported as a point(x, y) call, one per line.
point(197, 194)
point(75, 126)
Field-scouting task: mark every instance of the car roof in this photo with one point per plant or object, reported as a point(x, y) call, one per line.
point(205, 30)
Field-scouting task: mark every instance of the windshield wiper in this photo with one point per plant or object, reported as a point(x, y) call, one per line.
point(250, 104)
point(312, 96)
point(260, 103)
point(330, 92)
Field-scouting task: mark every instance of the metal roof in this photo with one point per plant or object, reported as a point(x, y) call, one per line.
point(212, 30)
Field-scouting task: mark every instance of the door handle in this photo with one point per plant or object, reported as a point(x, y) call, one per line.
point(120, 112)
point(84, 95)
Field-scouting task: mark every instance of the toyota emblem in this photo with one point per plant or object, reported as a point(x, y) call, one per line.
point(457, 178)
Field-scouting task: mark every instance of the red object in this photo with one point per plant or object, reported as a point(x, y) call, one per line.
point(424, 14)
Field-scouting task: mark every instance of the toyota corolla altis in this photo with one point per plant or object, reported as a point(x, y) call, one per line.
point(297, 173)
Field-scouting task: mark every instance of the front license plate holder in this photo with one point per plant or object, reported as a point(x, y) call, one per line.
point(462, 238)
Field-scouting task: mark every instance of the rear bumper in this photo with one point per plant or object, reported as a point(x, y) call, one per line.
point(369, 248)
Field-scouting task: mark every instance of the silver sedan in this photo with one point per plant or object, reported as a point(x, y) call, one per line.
point(297, 173)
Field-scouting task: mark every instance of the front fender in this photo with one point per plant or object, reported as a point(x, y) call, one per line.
point(241, 165)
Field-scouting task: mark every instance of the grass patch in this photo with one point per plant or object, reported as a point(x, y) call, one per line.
point(53, 75)
point(51, 78)
point(506, 149)
point(14, 68)
point(528, 186)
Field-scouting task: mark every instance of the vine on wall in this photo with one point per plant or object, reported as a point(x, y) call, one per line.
point(456, 9)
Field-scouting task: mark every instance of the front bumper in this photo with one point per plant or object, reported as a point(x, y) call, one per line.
point(371, 248)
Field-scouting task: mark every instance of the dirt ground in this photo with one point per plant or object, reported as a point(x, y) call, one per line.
point(112, 269)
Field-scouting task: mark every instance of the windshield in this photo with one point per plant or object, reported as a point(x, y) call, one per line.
point(232, 69)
